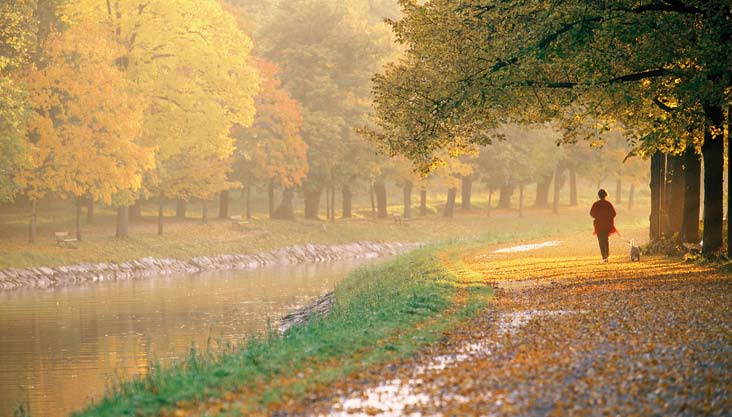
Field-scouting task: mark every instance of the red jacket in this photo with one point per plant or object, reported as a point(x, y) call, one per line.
point(604, 214)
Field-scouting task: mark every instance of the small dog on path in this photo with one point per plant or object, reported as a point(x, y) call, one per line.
point(635, 252)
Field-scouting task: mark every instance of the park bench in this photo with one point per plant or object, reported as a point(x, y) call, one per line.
point(238, 223)
point(63, 240)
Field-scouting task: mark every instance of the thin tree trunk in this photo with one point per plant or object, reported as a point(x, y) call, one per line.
point(285, 210)
point(332, 203)
point(422, 202)
point(312, 203)
point(713, 154)
point(490, 200)
point(78, 218)
point(346, 202)
point(676, 195)
point(123, 221)
point(450, 205)
point(373, 201)
point(631, 194)
point(504, 198)
point(248, 201)
point(521, 200)
point(618, 191)
point(380, 191)
point(89, 210)
point(224, 204)
point(204, 211)
point(270, 199)
point(466, 192)
point(573, 187)
point(180, 209)
point(160, 215)
point(327, 202)
point(33, 224)
point(692, 196)
point(558, 182)
point(542, 192)
point(729, 181)
point(407, 200)
point(657, 178)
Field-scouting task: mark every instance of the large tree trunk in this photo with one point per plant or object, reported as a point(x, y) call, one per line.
point(90, 211)
point(504, 200)
point(123, 221)
point(346, 202)
point(618, 191)
point(573, 187)
point(224, 204)
point(204, 211)
point(631, 194)
point(542, 192)
point(312, 203)
point(658, 162)
point(33, 224)
point(180, 209)
point(380, 191)
point(423, 202)
point(558, 182)
point(466, 192)
point(78, 218)
point(692, 196)
point(675, 192)
point(407, 200)
point(521, 200)
point(713, 154)
point(285, 210)
point(136, 211)
point(160, 216)
point(270, 199)
point(450, 205)
point(248, 200)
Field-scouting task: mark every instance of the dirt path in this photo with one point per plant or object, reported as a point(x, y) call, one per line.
point(565, 335)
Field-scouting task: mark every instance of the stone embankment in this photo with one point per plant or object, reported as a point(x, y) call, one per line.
point(46, 277)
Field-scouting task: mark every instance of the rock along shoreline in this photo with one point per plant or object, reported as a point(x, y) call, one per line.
point(61, 276)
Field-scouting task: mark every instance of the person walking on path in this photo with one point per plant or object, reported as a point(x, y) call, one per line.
point(604, 214)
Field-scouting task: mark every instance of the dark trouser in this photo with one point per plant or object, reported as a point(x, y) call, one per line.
point(604, 244)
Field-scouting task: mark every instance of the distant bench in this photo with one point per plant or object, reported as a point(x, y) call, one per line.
point(238, 223)
point(63, 240)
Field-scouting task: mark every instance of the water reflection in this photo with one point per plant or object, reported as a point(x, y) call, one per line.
point(61, 348)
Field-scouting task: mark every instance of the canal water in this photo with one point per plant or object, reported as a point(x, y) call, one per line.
point(60, 349)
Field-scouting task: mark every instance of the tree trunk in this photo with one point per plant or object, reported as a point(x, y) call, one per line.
point(713, 154)
point(204, 211)
point(542, 192)
point(504, 199)
point(224, 204)
point(78, 218)
point(490, 200)
point(423, 202)
point(312, 203)
point(180, 209)
point(658, 161)
point(285, 211)
point(380, 191)
point(89, 211)
point(327, 202)
point(692, 196)
point(521, 200)
point(407, 200)
point(248, 201)
point(33, 224)
point(618, 191)
point(631, 194)
point(450, 205)
point(123, 221)
point(558, 182)
point(466, 192)
point(332, 203)
point(160, 216)
point(729, 180)
point(676, 195)
point(573, 187)
point(136, 211)
point(346, 202)
point(270, 199)
point(373, 201)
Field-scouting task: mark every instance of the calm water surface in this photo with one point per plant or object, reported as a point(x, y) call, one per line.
point(59, 349)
